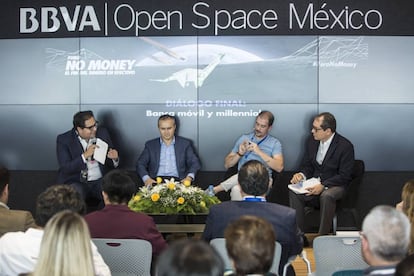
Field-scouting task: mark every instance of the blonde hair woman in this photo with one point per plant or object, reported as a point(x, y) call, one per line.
point(66, 247)
point(407, 207)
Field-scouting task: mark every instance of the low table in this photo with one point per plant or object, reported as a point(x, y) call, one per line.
point(180, 223)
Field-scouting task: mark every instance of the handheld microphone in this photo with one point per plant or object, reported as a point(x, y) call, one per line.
point(92, 141)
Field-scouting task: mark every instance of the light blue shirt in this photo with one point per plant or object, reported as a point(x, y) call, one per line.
point(269, 145)
point(168, 164)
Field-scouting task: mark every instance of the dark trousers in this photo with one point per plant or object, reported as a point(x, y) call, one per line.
point(91, 192)
point(326, 202)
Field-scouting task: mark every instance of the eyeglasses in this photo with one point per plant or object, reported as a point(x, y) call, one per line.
point(95, 125)
point(316, 129)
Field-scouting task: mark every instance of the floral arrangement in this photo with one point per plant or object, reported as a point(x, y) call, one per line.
point(172, 197)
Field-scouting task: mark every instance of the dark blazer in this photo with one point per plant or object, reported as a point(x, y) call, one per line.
point(149, 160)
point(281, 217)
point(69, 151)
point(15, 220)
point(336, 168)
point(119, 222)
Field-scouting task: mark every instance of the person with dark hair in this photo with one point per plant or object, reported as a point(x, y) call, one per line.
point(329, 159)
point(19, 251)
point(189, 257)
point(167, 156)
point(250, 243)
point(257, 145)
point(116, 220)
point(405, 267)
point(407, 207)
point(11, 220)
point(75, 149)
point(253, 179)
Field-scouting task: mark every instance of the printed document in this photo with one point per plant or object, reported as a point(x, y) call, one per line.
point(100, 151)
point(300, 187)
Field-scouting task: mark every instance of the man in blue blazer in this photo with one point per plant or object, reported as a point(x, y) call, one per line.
point(75, 149)
point(329, 157)
point(168, 155)
point(253, 179)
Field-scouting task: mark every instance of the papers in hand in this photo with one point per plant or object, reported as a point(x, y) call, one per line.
point(300, 187)
point(100, 151)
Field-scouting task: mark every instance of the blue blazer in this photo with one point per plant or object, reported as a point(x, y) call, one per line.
point(69, 151)
point(149, 160)
point(336, 168)
point(281, 217)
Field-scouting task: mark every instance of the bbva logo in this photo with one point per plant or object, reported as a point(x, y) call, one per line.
point(49, 19)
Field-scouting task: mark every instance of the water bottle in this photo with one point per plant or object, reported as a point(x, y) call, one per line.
point(210, 190)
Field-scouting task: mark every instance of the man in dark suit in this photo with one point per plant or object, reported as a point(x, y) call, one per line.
point(75, 149)
point(11, 220)
point(167, 156)
point(116, 220)
point(329, 157)
point(253, 179)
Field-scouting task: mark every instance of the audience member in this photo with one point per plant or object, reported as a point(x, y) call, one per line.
point(167, 156)
point(250, 243)
point(19, 251)
point(329, 157)
point(407, 207)
point(75, 149)
point(384, 240)
point(65, 249)
point(405, 267)
point(116, 220)
point(11, 220)
point(253, 178)
point(257, 145)
point(188, 257)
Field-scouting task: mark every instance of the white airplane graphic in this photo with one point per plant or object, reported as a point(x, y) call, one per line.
point(196, 76)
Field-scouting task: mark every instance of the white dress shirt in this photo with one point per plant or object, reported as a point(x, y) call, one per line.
point(19, 252)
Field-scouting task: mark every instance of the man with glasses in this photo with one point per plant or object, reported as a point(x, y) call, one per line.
point(75, 149)
point(329, 157)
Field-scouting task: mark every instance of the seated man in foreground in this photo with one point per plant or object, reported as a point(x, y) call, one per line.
point(385, 238)
point(116, 220)
point(253, 179)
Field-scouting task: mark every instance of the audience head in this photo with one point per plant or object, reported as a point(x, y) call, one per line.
point(250, 243)
point(405, 267)
point(190, 258)
point(385, 236)
point(118, 187)
point(4, 184)
point(66, 247)
point(253, 178)
point(55, 199)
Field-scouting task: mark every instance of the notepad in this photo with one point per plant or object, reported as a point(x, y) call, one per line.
point(300, 187)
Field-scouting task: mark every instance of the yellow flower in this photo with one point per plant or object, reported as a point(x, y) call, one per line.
point(155, 197)
point(137, 198)
point(203, 204)
point(159, 180)
point(171, 186)
point(187, 183)
point(180, 200)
